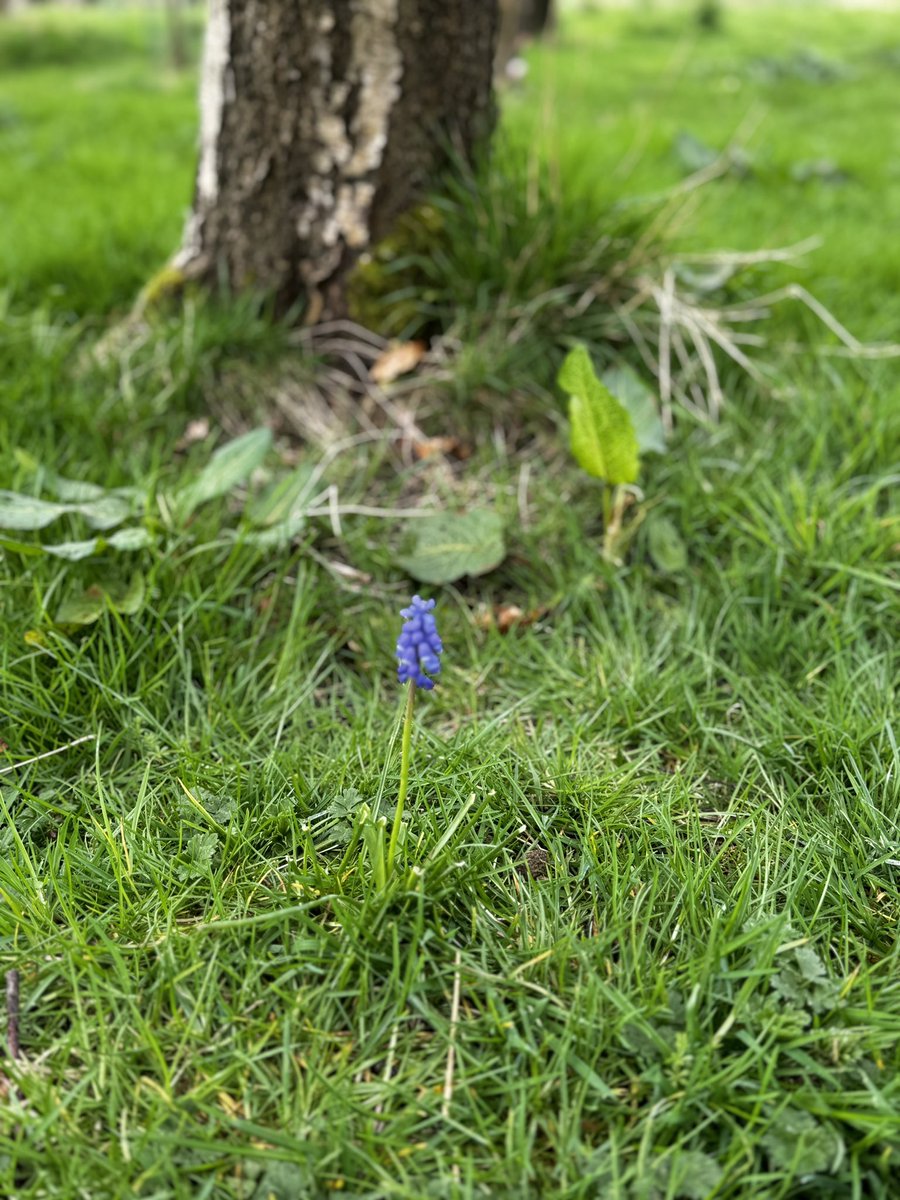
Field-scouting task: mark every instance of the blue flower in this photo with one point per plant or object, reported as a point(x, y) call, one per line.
point(419, 647)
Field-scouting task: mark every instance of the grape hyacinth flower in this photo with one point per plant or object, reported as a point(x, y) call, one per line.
point(419, 649)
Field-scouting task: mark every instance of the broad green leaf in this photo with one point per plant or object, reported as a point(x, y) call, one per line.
point(230, 465)
point(82, 610)
point(70, 491)
point(695, 1175)
point(27, 512)
point(131, 599)
point(137, 538)
point(345, 804)
point(603, 437)
point(202, 846)
point(450, 545)
point(640, 404)
point(681, 1174)
point(104, 513)
point(666, 545)
point(797, 1141)
point(123, 539)
point(277, 503)
point(803, 981)
point(279, 1180)
point(75, 551)
point(199, 853)
point(88, 607)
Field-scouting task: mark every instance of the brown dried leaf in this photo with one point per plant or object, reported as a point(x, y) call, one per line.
point(504, 617)
point(315, 306)
point(398, 359)
point(452, 447)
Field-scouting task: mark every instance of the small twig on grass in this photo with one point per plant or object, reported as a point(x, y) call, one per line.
point(88, 737)
point(388, 1074)
point(12, 1014)
point(451, 1048)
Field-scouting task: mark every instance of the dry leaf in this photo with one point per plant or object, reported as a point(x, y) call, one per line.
point(504, 617)
point(315, 306)
point(451, 446)
point(398, 359)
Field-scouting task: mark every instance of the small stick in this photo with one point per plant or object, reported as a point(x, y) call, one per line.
point(451, 1049)
point(88, 737)
point(12, 1013)
point(388, 1072)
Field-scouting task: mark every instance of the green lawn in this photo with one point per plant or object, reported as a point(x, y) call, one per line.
point(643, 941)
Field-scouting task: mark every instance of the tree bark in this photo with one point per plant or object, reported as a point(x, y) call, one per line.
point(535, 17)
point(320, 122)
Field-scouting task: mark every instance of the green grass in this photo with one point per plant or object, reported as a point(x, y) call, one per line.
point(694, 992)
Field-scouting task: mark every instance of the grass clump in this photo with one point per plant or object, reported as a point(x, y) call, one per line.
point(474, 265)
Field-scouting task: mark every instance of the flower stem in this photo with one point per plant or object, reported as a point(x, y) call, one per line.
point(405, 745)
point(612, 521)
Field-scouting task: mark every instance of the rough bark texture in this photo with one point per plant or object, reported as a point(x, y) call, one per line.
point(322, 121)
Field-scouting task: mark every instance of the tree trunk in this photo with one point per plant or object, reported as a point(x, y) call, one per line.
point(177, 34)
point(535, 17)
point(320, 122)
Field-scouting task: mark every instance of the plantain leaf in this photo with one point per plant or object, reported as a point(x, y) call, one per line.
point(69, 491)
point(131, 599)
point(640, 404)
point(277, 503)
point(123, 539)
point(450, 545)
point(137, 538)
point(82, 610)
point(91, 604)
point(27, 512)
point(105, 512)
point(603, 439)
point(230, 465)
point(74, 551)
